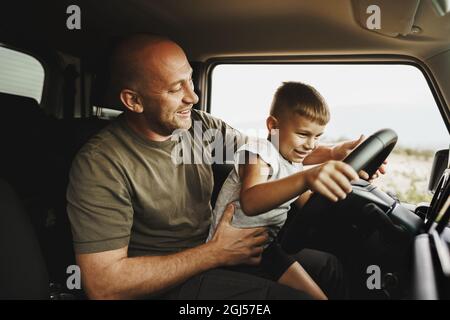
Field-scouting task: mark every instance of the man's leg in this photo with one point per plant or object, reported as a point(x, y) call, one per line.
point(221, 284)
point(326, 270)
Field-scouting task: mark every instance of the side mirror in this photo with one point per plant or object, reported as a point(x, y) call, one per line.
point(440, 163)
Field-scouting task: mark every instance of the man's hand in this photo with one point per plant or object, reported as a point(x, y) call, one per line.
point(237, 246)
point(331, 179)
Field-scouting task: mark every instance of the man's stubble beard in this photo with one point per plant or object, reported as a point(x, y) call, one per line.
point(163, 126)
point(184, 124)
point(166, 127)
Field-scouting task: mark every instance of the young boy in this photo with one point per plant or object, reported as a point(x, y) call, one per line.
point(268, 177)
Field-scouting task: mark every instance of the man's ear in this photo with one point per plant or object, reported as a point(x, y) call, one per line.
point(131, 101)
point(271, 123)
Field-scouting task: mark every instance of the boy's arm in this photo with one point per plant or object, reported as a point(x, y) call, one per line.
point(331, 179)
point(304, 197)
point(338, 152)
point(320, 155)
point(259, 195)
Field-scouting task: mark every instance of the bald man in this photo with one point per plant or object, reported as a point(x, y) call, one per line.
point(139, 220)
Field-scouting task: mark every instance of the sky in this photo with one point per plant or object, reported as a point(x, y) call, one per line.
point(362, 99)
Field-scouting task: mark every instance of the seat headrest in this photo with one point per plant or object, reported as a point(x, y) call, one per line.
point(17, 105)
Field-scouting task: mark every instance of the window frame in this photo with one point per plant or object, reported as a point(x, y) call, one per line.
point(444, 110)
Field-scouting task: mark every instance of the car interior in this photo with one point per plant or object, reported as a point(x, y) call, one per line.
point(40, 137)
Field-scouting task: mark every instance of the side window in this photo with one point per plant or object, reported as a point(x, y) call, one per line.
point(21, 74)
point(363, 98)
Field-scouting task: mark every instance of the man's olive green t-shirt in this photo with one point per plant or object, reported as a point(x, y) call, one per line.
point(126, 190)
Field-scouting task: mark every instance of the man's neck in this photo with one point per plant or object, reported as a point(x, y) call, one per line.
point(140, 126)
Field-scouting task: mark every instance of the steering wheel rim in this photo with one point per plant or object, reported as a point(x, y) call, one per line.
point(370, 154)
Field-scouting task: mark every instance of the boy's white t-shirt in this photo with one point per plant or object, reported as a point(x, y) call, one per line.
point(280, 168)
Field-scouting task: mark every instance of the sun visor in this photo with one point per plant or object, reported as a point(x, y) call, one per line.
point(387, 17)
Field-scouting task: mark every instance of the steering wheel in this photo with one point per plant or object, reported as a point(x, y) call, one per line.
point(367, 227)
point(320, 212)
point(370, 154)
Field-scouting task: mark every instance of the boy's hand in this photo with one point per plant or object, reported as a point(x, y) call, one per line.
point(331, 179)
point(381, 170)
point(235, 245)
point(343, 149)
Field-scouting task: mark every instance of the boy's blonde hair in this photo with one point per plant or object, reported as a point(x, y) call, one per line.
point(302, 99)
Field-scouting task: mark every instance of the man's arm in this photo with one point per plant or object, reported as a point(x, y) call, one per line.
point(113, 275)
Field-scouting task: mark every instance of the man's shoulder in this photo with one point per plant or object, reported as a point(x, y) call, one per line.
point(106, 142)
point(208, 121)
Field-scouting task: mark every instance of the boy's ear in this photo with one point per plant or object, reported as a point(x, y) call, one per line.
point(271, 123)
point(131, 101)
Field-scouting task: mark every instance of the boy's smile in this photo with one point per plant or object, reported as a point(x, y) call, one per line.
point(298, 136)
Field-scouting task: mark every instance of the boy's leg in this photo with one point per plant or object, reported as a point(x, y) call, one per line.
point(220, 284)
point(275, 262)
point(288, 271)
point(324, 268)
point(296, 277)
point(326, 271)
